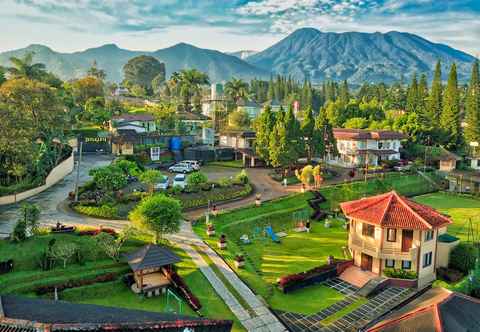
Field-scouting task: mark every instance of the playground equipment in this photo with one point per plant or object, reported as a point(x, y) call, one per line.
point(314, 203)
point(272, 234)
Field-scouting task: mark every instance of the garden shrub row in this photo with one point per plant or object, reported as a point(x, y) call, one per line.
point(400, 273)
point(223, 194)
point(104, 211)
point(182, 288)
point(45, 289)
point(313, 276)
point(30, 286)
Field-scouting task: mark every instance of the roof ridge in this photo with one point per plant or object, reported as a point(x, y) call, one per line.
point(390, 198)
point(409, 208)
point(378, 198)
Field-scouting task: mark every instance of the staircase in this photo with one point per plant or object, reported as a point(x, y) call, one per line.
point(372, 287)
point(314, 203)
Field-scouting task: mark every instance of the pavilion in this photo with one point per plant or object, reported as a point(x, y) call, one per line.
point(149, 265)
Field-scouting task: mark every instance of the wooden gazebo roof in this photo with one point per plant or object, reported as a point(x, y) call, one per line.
point(151, 256)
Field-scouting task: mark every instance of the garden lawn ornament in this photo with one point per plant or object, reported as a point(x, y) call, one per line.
point(245, 240)
point(300, 227)
point(257, 233)
point(272, 234)
point(258, 200)
point(307, 226)
point(328, 223)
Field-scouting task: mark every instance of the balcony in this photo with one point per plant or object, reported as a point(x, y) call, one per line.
point(370, 247)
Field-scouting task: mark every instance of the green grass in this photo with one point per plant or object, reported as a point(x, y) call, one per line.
point(268, 261)
point(229, 163)
point(348, 309)
point(27, 276)
point(460, 208)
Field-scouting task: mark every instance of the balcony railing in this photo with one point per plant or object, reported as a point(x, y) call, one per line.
point(368, 247)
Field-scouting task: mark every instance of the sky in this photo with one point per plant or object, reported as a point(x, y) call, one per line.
point(227, 25)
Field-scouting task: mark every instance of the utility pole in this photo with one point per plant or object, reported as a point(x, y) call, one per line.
point(78, 172)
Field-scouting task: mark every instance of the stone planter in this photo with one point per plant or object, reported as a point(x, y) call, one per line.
point(210, 232)
point(239, 264)
point(222, 245)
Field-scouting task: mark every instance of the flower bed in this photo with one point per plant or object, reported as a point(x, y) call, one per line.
point(196, 200)
point(95, 232)
point(316, 275)
point(182, 288)
point(399, 274)
point(104, 211)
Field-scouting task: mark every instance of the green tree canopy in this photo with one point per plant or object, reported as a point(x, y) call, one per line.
point(450, 118)
point(236, 90)
point(25, 68)
point(158, 214)
point(472, 107)
point(141, 70)
point(150, 178)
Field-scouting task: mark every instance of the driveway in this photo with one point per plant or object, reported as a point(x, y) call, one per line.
point(49, 200)
point(53, 206)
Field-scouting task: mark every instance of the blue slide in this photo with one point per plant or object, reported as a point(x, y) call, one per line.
point(272, 234)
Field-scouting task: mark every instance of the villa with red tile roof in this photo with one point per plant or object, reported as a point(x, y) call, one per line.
point(356, 145)
point(392, 231)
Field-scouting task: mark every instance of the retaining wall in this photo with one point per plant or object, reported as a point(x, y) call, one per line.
point(57, 174)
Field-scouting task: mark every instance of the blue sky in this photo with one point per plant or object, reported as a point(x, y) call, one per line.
point(227, 25)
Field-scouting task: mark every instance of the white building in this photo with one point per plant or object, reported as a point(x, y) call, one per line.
point(356, 145)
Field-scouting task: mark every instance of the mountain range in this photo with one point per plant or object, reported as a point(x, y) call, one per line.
point(306, 53)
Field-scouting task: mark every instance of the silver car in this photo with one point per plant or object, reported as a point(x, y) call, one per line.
point(194, 163)
point(163, 184)
point(181, 168)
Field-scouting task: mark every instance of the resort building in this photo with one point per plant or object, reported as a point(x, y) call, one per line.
point(250, 107)
point(390, 231)
point(141, 123)
point(356, 146)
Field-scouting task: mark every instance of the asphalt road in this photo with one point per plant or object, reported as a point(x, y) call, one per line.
point(53, 207)
point(49, 200)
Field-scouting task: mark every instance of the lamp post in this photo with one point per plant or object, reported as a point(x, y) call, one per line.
point(78, 172)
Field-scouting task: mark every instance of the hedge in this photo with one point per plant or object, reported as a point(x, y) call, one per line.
point(462, 257)
point(104, 211)
point(214, 196)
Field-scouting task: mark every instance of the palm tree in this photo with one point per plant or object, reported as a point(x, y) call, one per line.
point(25, 68)
point(187, 84)
point(237, 90)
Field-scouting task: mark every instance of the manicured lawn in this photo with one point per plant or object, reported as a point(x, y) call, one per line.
point(27, 276)
point(267, 261)
point(459, 208)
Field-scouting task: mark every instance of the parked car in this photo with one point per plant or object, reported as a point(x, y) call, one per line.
point(163, 184)
point(180, 180)
point(181, 168)
point(194, 163)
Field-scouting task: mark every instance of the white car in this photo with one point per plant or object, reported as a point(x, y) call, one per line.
point(181, 168)
point(194, 163)
point(180, 180)
point(163, 184)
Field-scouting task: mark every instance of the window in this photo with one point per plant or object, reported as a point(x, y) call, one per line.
point(427, 259)
point(429, 235)
point(389, 263)
point(368, 230)
point(391, 235)
point(406, 265)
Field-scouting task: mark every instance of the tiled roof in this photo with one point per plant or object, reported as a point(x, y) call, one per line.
point(437, 310)
point(151, 256)
point(394, 211)
point(23, 314)
point(360, 134)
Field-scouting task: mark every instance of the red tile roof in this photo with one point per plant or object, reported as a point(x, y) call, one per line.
point(361, 134)
point(394, 211)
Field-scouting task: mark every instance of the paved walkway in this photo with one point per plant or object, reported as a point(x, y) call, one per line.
point(355, 276)
point(261, 319)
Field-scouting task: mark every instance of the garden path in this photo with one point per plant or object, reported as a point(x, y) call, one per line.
point(261, 319)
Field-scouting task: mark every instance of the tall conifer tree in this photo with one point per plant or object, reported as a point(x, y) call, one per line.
point(472, 107)
point(434, 103)
point(450, 117)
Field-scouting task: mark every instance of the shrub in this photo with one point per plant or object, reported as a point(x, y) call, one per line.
point(462, 257)
point(41, 290)
point(242, 177)
point(104, 211)
point(196, 179)
point(399, 273)
point(449, 275)
point(225, 182)
point(20, 231)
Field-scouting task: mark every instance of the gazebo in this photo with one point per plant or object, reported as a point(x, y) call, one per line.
point(149, 265)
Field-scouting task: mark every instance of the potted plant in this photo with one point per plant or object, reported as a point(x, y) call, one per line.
point(258, 199)
point(210, 230)
point(222, 242)
point(239, 261)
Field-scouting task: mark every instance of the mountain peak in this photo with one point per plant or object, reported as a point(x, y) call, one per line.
point(38, 47)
